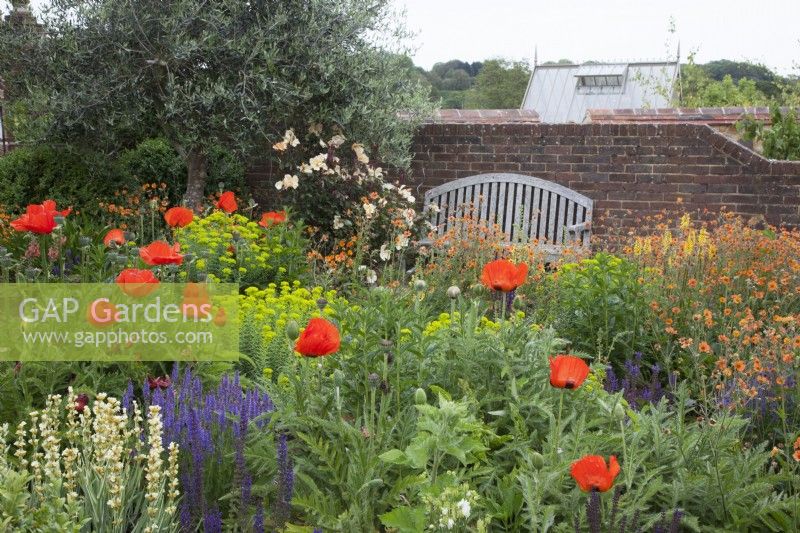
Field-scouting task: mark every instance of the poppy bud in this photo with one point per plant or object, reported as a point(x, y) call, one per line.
point(292, 330)
point(619, 412)
point(420, 398)
point(537, 460)
point(338, 377)
point(453, 292)
point(420, 285)
point(374, 379)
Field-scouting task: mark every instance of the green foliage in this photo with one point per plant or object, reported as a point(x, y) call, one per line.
point(155, 161)
point(726, 83)
point(68, 175)
point(698, 89)
point(450, 80)
point(779, 140)
point(231, 76)
point(602, 306)
point(447, 431)
point(500, 85)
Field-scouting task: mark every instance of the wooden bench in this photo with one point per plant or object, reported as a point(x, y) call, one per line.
point(525, 208)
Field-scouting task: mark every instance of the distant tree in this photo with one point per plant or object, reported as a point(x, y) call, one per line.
point(765, 80)
point(224, 73)
point(699, 89)
point(500, 85)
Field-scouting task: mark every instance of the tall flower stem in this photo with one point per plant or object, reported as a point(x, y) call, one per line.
point(43, 256)
point(558, 424)
point(625, 463)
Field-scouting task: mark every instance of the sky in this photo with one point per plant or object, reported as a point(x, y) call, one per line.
point(764, 31)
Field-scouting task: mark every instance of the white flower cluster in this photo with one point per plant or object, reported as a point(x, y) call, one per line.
point(87, 456)
point(451, 509)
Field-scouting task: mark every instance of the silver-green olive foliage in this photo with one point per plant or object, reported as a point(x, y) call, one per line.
point(206, 73)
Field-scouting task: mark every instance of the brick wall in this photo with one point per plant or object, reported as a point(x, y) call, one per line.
point(629, 170)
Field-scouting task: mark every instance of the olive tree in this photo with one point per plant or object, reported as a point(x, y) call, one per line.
point(204, 73)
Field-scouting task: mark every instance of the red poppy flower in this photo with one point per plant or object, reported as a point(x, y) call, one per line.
point(81, 401)
point(503, 275)
point(161, 382)
point(591, 472)
point(161, 253)
point(115, 235)
point(227, 202)
point(137, 283)
point(39, 218)
point(272, 217)
point(178, 217)
point(318, 339)
point(50, 206)
point(567, 371)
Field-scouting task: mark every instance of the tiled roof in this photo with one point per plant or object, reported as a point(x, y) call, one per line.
point(713, 116)
point(485, 116)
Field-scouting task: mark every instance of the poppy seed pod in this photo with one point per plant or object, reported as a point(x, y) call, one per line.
point(420, 398)
point(537, 460)
point(292, 330)
point(453, 292)
point(374, 379)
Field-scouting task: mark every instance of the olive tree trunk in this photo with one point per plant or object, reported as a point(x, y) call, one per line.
point(197, 165)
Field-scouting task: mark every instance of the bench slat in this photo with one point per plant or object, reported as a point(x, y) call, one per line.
point(524, 207)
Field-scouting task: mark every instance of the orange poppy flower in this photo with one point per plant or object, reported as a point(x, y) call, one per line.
point(220, 319)
point(115, 235)
point(178, 217)
point(591, 472)
point(137, 283)
point(196, 303)
point(503, 275)
point(567, 371)
point(161, 253)
point(272, 217)
point(318, 339)
point(227, 202)
point(39, 218)
point(101, 313)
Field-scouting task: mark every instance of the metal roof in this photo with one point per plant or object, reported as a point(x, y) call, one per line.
point(557, 92)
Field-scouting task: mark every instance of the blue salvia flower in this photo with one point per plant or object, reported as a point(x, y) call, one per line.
point(212, 521)
point(127, 398)
point(637, 389)
point(285, 481)
point(203, 424)
point(258, 520)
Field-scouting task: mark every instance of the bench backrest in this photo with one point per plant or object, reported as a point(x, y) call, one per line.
point(526, 208)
